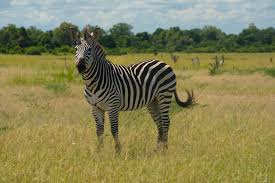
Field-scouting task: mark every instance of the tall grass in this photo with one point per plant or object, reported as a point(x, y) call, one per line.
point(47, 133)
point(270, 71)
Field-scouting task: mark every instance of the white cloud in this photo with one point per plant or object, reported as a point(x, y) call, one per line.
point(5, 12)
point(20, 2)
point(144, 15)
point(40, 16)
point(32, 2)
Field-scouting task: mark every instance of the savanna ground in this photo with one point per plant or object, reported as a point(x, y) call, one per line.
point(47, 133)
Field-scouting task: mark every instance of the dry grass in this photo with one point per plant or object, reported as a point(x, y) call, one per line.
point(48, 135)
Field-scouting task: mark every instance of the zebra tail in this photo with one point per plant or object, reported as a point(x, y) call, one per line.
point(190, 100)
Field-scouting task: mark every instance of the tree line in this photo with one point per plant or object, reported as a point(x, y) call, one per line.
point(120, 39)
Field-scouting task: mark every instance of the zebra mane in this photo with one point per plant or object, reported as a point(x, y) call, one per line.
point(100, 52)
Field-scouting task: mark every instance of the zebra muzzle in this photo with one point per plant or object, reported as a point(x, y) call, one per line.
point(81, 67)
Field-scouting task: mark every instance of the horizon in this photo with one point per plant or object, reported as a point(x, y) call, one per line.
point(231, 16)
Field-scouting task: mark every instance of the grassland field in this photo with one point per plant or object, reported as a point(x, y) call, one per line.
point(47, 133)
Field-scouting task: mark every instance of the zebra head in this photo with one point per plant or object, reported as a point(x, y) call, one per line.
point(84, 47)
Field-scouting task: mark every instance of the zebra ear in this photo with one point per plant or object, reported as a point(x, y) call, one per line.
point(87, 33)
point(96, 33)
point(74, 34)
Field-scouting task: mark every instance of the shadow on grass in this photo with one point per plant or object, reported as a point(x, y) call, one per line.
point(4, 128)
point(269, 71)
point(56, 87)
point(236, 71)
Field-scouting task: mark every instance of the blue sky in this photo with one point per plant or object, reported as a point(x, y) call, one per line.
point(144, 15)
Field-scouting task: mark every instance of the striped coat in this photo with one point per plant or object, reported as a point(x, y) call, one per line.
point(113, 88)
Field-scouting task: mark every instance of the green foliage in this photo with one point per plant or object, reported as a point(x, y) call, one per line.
point(56, 87)
point(61, 35)
point(270, 71)
point(34, 50)
point(117, 51)
point(35, 79)
point(67, 75)
point(64, 49)
point(48, 134)
point(120, 39)
point(214, 68)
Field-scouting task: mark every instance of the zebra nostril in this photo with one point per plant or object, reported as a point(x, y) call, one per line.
point(81, 65)
point(81, 61)
point(81, 68)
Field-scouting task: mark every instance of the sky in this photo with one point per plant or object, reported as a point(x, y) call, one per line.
point(231, 16)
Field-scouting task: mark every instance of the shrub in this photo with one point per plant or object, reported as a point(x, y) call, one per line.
point(34, 50)
point(214, 68)
point(65, 49)
point(270, 71)
point(67, 75)
point(16, 50)
point(3, 50)
point(116, 51)
point(56, 87)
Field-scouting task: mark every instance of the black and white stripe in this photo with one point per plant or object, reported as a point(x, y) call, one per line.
point(113, 88)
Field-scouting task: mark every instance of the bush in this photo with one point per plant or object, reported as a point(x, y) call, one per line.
point(65, 49)
point(56, 87)
point(4, 50)
point(214, 68)
point(116, 51)
point(270, 71)
point(16, 50)
point(34, 50)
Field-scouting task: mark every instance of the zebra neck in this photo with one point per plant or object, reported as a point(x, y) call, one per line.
point(95, 75)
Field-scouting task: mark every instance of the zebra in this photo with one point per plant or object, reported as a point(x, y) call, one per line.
point(219, 61)
point(174, 57)
point(112, 88)
point(196, 61)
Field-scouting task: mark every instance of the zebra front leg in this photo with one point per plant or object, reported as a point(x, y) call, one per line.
point(99, 119)
point(113, 115)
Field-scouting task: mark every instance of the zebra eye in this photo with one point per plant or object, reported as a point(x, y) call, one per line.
point(89, 49)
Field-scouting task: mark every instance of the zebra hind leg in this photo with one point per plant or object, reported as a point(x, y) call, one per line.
point(99, 119)
point(154, 111)
point(164, 102)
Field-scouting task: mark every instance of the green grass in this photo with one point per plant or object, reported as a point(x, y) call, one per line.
point(47, 133)
point(270, 71)
point(56, 87)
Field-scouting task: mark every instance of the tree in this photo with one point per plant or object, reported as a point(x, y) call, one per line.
point(23, 39)
point(108, 41)
point(61, 34)
point(121, 29)
point(122, 34)
point(159, 39)
point(211, 33)
point(34, 34)
point(46, 40)
point(175, 39)
point(120, 39)
point(195, 35)
point(267, 36)
point(9, 36)
point(248, 35)
point(143, 36)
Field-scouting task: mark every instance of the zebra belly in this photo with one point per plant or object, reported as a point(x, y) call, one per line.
point(124, 107)
point(95, 100)
point(135, 99)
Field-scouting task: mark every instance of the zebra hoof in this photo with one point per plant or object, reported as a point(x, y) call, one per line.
point(99, 148)
point(117, 148)
point(161, 147)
